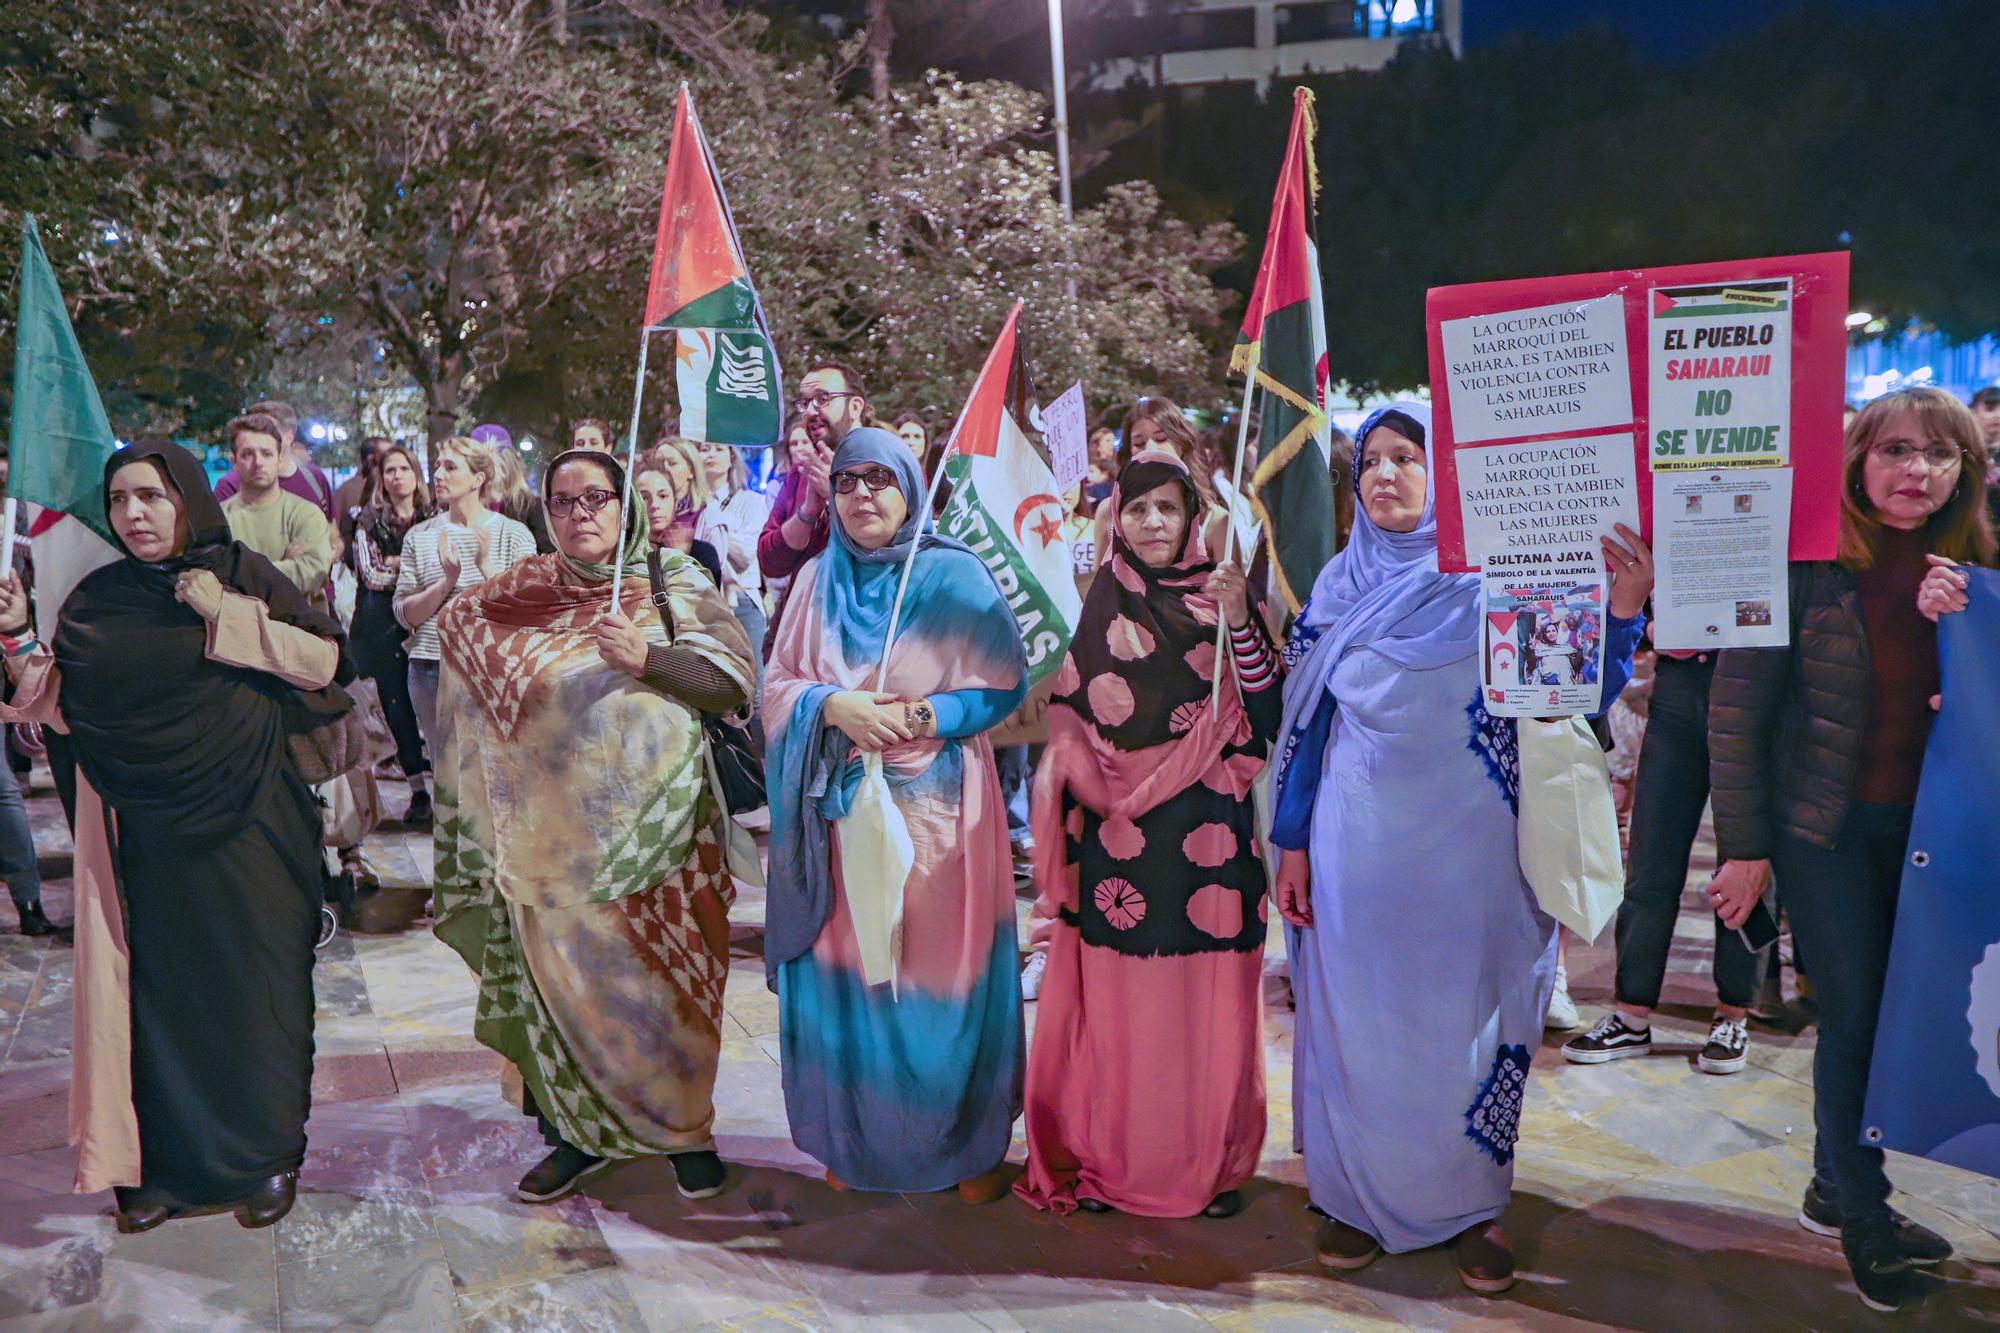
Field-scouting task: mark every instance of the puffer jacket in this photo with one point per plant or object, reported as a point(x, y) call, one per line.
point(1785, 725)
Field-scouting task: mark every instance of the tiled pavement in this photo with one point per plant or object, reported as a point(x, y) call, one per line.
point(1649, 1196)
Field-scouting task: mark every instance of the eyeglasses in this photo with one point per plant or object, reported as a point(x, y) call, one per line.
point(876, 479)
point(807, 402)
point(1940, 456)
point(591, 501)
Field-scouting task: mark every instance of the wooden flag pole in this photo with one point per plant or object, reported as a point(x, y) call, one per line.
point(1229, 543)
point(631, 466)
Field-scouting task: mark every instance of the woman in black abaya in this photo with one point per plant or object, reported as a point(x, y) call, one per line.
point(179, 672)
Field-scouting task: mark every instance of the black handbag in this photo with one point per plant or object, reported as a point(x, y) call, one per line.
point(737, 747)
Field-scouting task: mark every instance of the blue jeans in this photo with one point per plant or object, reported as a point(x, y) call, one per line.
point(424, 698)
point(1012, 761)
point(1844, 913)
point(18, 864)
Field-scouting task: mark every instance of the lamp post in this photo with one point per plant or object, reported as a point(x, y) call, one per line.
point(1061, 80)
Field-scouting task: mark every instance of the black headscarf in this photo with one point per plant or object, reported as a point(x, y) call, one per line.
point(163, 733)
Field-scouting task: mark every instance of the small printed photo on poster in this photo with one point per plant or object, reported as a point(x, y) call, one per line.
point(1753, 613)
point(1694, 504)
point(1547, 636)
point(1743, 505)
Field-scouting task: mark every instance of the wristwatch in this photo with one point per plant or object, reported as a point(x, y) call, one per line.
point(918, 715)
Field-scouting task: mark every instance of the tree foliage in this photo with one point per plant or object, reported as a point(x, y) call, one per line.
point(472, 187)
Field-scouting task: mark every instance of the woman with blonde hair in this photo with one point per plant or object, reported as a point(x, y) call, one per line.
point(1814, 753)
point(460, 548)
point(512, 497)
point(670, 507)
point(732, 521)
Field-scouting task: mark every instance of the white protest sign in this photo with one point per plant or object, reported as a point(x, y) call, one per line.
point(1719, 375)
point(1530, 372)
point(1067, 431)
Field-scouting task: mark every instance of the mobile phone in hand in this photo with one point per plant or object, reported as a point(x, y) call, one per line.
point(1759, 930)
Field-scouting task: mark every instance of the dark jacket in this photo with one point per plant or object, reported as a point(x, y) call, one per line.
point(1785, 724)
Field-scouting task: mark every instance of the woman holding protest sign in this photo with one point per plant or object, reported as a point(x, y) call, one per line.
point(579, 854)
point(443, 556)
point(1146, 1082)
point(890, 931)
point(1815, 754)
point(1395, 799)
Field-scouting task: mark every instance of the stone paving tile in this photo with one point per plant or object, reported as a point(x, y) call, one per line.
point(197, 1273)
point(387, 1288)
point(596, 1302)
point(492, 1240)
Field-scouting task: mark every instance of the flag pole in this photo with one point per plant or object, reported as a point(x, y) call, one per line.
point(1229, 542)
point(903, 584)
point(631, 465)
point(7, 541)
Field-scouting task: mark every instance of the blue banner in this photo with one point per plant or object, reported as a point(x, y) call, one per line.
point(1934, 1085)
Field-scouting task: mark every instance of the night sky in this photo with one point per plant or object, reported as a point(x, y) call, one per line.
point(1664, 29)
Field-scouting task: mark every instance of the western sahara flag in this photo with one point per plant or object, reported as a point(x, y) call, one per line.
point(1005, 506)
point(1284, 337)
point(60, 439)
point(724, 366)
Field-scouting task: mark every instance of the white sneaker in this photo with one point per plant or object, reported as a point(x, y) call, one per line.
point(1031, 975)
point(1562, 1015)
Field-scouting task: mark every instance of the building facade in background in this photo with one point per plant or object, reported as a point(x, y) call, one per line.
point(1213, 41)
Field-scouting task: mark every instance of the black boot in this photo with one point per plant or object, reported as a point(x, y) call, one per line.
point(271, 1201)
point(34, 921)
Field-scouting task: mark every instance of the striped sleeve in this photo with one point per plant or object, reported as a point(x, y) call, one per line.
point(1256, 664)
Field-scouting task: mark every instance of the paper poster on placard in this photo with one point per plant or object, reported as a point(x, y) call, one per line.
point(1546, 495)
point(1538, 371)
point(1542, 646)
point(1719, 544)
point(1065, 428)
point(1719, 375)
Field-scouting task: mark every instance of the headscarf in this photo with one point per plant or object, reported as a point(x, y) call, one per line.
point(1145, 633)
point(634, 543)
point(1381, 591)
point(857, 588)
point(162, 732)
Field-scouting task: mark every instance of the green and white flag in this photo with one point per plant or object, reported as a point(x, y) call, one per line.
point(59, 439)
point(1006, 506)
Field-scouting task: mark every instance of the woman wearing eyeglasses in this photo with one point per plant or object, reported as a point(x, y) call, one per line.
point(579, 861)
point(1815, 750)
point(909, 1082)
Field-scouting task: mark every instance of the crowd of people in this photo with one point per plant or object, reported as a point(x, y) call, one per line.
point(550, 668)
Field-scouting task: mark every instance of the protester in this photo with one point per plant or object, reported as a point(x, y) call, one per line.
point(1815, 753)
point(378, 641)
point(672, 510)
point(358, 491)
point(456, 549)
point(292, 534)
point(179, 671)
point(910, 429)
point(510, 496)
point(832, 401)
point(580, 869)
point(1146, 1083)
point(914, 1086)
point(1669, 796)
point(1156, 423)
point(591, 433)
point(1985, 406)
point(1394, 804)
point(19, 864)
point(732, 522)
point(296, 475)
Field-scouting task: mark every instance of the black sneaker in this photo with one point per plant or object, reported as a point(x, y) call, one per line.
point(1728, 1048)
point(1887, 1280)
point(1919, 1244)
point(1609, 1038)
point(34, 921)
point(419, 813)
point(700, 1175)
point(558, 1174)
